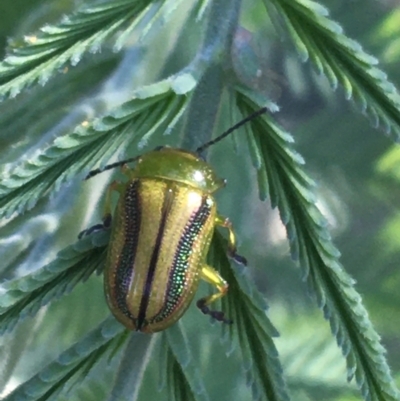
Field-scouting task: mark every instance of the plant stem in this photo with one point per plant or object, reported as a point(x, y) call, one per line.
point(207, 66)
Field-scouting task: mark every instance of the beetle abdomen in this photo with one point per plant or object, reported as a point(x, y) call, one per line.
point(159, 241)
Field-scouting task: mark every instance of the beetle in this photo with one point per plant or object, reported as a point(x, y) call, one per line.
point(161, 232)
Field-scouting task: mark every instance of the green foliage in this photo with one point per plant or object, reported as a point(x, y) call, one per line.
point(208, 33)
point(79, 151)
point(342, 61)
point(40, 56)
point(291, 190)
point(252, 329)
point(184, 380)
point(74, 363)
point(24, 296)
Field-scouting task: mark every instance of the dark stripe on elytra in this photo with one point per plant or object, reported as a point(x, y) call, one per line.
point(177, 275)
point(125, 266)
point(166, 208)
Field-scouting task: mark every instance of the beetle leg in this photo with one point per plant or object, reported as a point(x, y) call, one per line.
point(114, 186)
point(106, 223)
point(210, 275)
point(225, 222)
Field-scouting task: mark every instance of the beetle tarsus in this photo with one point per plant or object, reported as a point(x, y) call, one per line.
point(217, 315)
point(90, 230)
point(240, 259)
point(237, 258)
point(105, 225)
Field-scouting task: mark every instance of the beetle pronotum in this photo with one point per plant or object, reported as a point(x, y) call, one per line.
point(162, 227)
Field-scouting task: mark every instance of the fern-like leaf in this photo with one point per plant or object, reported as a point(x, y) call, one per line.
point(290, 189)
point(24, 296)
point(342, 60)
point(247, 308)
point(156, 107)
point(86, 30)
point(74, 363)
point(178, 369)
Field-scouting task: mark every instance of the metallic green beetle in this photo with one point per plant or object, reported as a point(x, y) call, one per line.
point(161, 232)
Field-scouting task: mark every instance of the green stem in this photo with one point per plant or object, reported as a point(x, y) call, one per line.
point(207, 67)
point(203, 109)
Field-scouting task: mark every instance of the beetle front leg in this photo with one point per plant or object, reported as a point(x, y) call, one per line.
point(106, 221)
point(225, 222)
point(210, 275)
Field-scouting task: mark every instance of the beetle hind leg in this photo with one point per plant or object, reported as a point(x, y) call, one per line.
point(210, 275)
point(226, 223)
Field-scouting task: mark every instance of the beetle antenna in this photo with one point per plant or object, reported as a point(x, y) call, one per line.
point(230, 130)
point(110, 166)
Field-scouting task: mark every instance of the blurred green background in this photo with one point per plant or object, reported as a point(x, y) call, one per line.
point(356, 166)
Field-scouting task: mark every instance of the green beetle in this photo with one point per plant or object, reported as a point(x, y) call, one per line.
point(161, 232)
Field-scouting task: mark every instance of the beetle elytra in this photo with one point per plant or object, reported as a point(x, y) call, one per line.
point(161, 231)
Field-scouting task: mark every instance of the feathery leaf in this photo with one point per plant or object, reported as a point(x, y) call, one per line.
point(342, 60)
point(291, 190)
point(184, 380)
point(77, 360)
point(247, 308)
point(155, 106)
point(41, 55)
point(24, 296)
